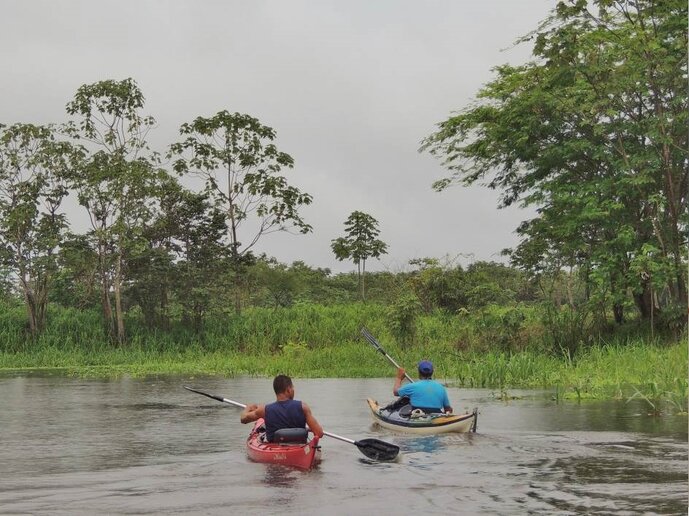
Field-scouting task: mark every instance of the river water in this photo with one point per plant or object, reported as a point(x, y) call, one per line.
point(147, 446)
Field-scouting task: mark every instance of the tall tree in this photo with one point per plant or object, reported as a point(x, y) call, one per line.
point(241, 167)
point(183, 259)
point(592, 134)
point(118, 181)
point(77, 282)
point(359, 244)
point(34, 173)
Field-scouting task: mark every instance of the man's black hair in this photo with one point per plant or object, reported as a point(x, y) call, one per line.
point(281, 383)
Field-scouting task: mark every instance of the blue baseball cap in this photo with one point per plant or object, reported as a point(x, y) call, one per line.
point(425, 367)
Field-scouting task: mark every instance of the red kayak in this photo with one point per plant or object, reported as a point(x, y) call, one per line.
point(292, 447)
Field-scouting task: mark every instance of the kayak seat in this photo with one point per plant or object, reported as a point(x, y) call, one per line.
point(399, 402)
point(405, 411)
point(290, 435)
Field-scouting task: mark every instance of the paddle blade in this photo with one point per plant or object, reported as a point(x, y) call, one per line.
point(378, 450)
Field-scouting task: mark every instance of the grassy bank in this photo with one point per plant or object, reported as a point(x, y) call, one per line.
point(658, 373)
point(317, 341)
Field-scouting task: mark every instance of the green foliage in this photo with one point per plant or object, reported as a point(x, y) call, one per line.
point(566, 330)
point(450, 287)
point(34, 173)
point(402, 315)
point(170, 261)
point(235, 155)
point(500, 327)
point(592, 133)
point(359, 244)
point(184, 262)
point(439, 285)
point(117, 184)
point(674, 319)
point(76, 281)
point(310, 340)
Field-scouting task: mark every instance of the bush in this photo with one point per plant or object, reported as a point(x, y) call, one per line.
point(501, 327)
point(401, 317)
point(566, 330)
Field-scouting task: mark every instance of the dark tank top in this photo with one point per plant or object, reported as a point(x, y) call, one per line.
point(283, 414)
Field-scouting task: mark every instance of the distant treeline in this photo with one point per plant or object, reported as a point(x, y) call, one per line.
point(483, 306)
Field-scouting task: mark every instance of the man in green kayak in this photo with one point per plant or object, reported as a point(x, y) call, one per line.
point(284, 412)
point(427, 394)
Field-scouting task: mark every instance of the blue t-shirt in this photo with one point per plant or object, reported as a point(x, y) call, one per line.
point(425, 394)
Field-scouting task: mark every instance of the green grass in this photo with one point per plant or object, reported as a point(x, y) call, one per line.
point(607, 372)
point(319, 341)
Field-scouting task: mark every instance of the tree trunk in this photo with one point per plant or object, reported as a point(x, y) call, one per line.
point(643, 301)
point(105, 291)
point(234, 242)
point(363, 280)
point(118, 299)
point(42, 304)
point(164, 318)
point(36, 302)
point(237, 288)
point(682, 297)
point(618, 312)
point(570, 292)
point(30, 311)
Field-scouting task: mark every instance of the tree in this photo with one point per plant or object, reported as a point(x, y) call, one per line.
point(359, 244)
point(76, 282)
point(117, 183)
point(192, 229)
point(593, 134)
point(273, 282)
point(34, 172)
point(241, 167)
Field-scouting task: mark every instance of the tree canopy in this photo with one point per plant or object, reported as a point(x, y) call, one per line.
point(592, 133)
point(359, 244)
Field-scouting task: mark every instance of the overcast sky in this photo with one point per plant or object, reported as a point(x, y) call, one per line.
point(351, 87)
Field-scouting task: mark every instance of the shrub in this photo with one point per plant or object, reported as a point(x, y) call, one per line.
point(401, 317)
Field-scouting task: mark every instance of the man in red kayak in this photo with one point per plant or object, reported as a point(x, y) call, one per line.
point(427, 394)
point(285, 412)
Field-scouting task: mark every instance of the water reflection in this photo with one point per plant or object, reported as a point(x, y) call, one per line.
point(277, 475)
point(425, 444)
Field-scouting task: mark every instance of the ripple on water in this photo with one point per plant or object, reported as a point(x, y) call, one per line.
point(136, 446)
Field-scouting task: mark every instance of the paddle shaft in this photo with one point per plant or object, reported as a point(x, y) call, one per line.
point(241, 405)
point(372, 340)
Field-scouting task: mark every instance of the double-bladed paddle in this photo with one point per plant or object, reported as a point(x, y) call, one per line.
point(374, 342)
point(373, 448)
point(367, 335)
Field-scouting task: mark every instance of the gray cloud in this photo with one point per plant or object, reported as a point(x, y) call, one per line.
point(350, 87)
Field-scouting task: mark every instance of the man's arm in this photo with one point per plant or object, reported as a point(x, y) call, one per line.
point(252, 413)
point(314, 425)
point(446, 404)
point(398, 381)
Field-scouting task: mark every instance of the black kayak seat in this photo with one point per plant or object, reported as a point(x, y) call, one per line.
point(405, 411)
point(290, 435)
